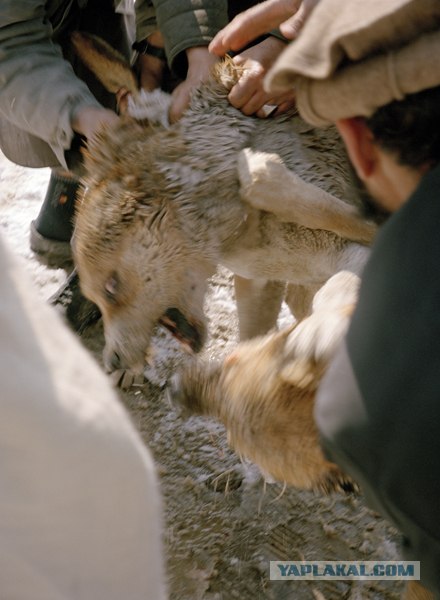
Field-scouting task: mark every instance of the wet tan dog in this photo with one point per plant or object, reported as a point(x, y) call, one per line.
point(162, 209)
point(264, 391)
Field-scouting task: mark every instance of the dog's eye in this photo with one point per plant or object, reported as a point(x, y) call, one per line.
point(111, 287)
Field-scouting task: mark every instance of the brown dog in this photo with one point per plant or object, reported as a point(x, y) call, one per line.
point(264, 391)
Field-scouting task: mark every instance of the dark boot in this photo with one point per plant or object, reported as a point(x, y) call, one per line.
point(52, 229)
point(79, 312)
point(50, 240)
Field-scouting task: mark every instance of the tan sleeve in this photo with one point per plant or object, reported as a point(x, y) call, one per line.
point(79, 501)
point(39, 91)
point(146, 22)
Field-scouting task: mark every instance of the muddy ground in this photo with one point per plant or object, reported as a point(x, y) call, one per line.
point(222, 525)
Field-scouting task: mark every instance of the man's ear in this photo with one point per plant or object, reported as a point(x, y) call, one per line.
point(360, 145)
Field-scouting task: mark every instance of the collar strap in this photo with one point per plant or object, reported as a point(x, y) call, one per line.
point(144, 47)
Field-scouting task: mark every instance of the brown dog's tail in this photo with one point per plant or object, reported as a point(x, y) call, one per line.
point(106, 63)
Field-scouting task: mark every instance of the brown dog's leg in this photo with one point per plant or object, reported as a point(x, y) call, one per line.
point(415, 591)
point(267, 184)
point(299, 299)
point(258, 305)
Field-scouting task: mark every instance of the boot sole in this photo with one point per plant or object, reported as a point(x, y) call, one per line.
point(50, 253)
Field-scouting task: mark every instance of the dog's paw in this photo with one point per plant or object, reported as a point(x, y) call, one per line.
point(260, 174)
point(126, 378)
point(335, 480)
point(311, 345)
point(314, 341)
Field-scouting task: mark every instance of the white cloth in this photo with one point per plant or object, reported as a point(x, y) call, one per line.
point(79, 504)
point(347, 49)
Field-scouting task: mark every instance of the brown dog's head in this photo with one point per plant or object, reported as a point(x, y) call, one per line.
point(132, 257)
point(264, 392)
point(269, 419)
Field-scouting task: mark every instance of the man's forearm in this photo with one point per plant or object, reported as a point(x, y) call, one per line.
point(39, 91)
point(184, 26)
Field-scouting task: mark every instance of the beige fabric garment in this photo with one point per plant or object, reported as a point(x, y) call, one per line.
point(353, 57)
point(39, 90)
point(79, 504)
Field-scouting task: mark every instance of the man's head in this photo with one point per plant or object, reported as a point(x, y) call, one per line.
point(373, 69)
point(393, 149)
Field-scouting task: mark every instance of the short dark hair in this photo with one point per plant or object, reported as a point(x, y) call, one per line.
point(410, 128)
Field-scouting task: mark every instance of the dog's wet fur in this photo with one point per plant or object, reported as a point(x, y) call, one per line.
point(162, 209)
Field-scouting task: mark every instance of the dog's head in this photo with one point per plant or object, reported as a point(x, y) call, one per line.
point(132, 257)
point(269, 419)
point(264, 392)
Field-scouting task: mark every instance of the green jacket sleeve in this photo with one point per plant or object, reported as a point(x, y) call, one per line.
point(277, 33)
point(39, 91)
point(185, 24)
point(145, 19)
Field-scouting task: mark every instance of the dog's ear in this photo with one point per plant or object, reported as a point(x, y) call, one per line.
point(108, 65)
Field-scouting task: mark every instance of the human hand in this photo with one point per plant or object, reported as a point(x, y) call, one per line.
point(248, 94)
point(89, 120)
point(200, 63)
point(289, 15)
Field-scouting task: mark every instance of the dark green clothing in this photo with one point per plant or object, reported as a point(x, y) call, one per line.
point(378, 409)
point(186, 24)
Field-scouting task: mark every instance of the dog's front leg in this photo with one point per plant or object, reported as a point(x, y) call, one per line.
point(258, 305)
point(267, 184)
point(299, 299)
